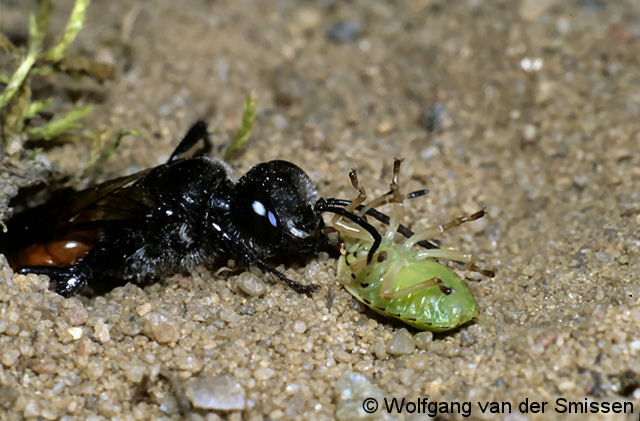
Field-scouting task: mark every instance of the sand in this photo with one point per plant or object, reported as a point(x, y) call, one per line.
point(526, 109)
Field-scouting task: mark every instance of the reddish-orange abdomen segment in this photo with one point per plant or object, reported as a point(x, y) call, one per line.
point(65, 251)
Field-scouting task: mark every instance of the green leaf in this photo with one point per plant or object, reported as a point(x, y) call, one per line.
point(36, 107)
point(38, 26)
point(60, 125)
point(17, 79)
point(99, 153)
point(242, 136)
point(76, 20)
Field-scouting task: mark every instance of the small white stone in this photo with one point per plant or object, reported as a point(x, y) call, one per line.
point(75, 332)
point(101, 332)
point(143, 309)
point(300, 327)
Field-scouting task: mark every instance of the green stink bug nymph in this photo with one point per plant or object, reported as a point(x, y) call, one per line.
point(401, 281)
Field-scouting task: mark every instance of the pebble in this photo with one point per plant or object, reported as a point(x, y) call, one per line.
point(288, 85)
point(299, 327)
point(530, 10)
point(350, 392)
point(401, 343)
point(379, 350)
point(436, 118)
point(189, 363)
point(529, 132)
point(86, 346)
point(222, 393)
point(343, 32)
point(101, 332)
point(162, 329)
point(423, 339)
point(8, 395)
point(75, 332)
point(251, 284)
point(165, 332)
point(529, 270)
point(229, 316)
point(143, 309)
point(9, 358)
point(264, 373)
point(76, 314)
point(44, 366)
point(134, 371)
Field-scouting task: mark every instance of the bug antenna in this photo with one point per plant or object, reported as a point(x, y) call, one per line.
point(322, 206)
point(382, 218)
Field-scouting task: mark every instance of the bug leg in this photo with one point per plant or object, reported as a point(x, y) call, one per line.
point(394, 221)
point(406, 232)
point(197, 132)
point(392, 196)
point(362, 194)
point(360, 262)
point(67, 280)
point(388, 280)
point(457, 256)
point(353, 204)
point(321, 206)
point(435, 230)
point(428, 283)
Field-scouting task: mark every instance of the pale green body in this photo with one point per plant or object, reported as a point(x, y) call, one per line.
point(428, 308)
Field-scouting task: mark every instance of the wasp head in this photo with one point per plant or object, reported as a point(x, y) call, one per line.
point(273, 206)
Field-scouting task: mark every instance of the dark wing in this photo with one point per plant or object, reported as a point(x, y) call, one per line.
point(117, 201)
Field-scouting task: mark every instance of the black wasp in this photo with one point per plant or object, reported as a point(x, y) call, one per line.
point(172, 217)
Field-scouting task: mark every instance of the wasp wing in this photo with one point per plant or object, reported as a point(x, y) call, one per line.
point(68, 211)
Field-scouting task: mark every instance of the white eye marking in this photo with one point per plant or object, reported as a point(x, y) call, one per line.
point(216, 226)
point(258, 208)
point(272, 219)
point(168, 212)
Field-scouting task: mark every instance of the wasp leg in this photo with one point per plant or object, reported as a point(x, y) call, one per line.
point(296, 286)
point(456, 256)
point(249, 258)
point(67, 280)
point(198, 131)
